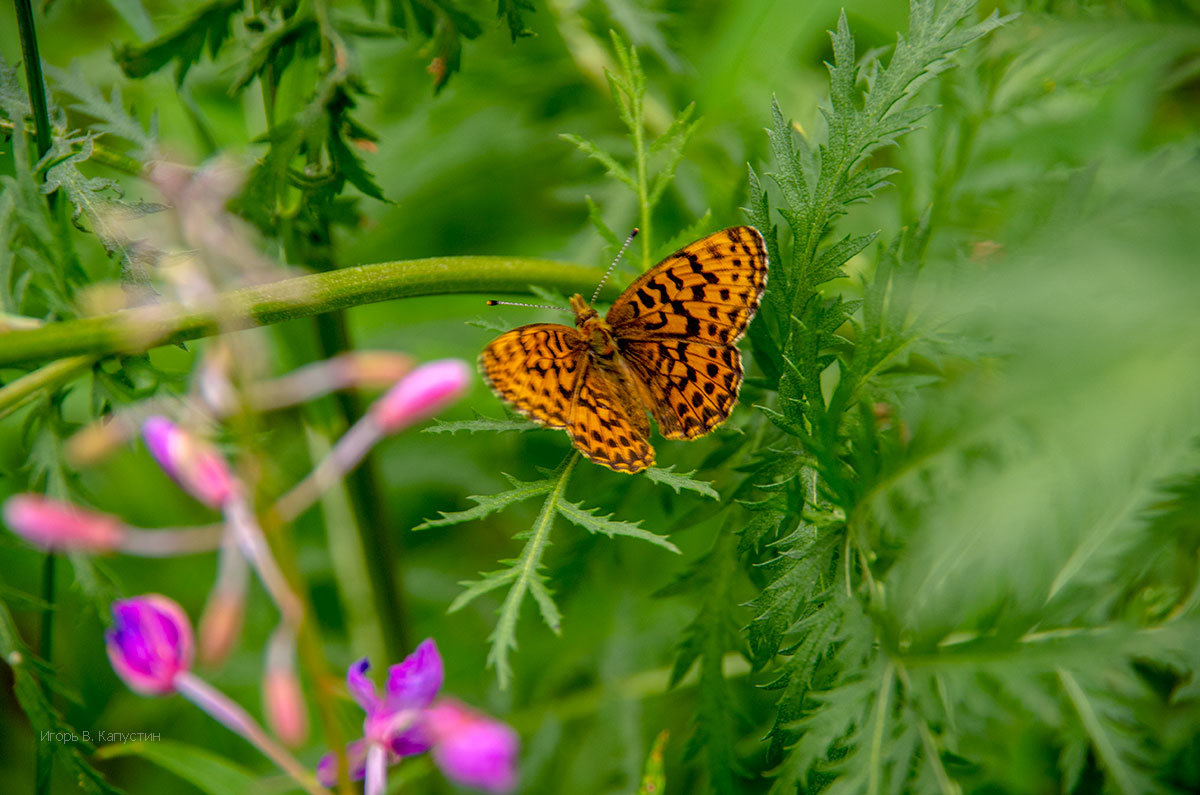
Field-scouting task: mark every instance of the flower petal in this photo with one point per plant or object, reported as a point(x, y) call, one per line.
point(362, 688)
point(472, 748)
point(412, 742)
point(416, 681)
point(356, 758)
point(150, 642)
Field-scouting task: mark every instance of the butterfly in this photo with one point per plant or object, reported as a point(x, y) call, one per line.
point(668, 345)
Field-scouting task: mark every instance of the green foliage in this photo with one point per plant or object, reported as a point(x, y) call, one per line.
point(30, 677)
point(947, 541)
point(203, 769)
point(207, 27)
point(628, 89)
point(523, 575)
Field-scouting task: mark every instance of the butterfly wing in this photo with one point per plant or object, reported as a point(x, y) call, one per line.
point(690, 387)
point(706, 291)
point(608, 425)
point(678, 326)
point(537, 368)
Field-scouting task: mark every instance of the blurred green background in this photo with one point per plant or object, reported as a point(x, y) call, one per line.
point(1060, 171)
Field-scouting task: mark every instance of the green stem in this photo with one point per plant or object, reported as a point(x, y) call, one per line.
point(20, 391)
point(33, 75)
point(384, 569)
point(136, 330)
point(639, 145)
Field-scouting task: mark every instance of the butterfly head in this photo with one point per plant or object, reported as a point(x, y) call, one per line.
point(583, 312)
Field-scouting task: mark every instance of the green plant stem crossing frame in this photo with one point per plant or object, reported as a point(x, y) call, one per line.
point(136, 330)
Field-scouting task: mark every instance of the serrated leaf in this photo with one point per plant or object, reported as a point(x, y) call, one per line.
point(480, 424)
point(680, 481)
point(88, 196)
point(207, 26)
point(477, 588)
point(13, 99)
point(604, 525)
point(110, 113)
point(488, 504)
point(351, 167)
point(615, 169)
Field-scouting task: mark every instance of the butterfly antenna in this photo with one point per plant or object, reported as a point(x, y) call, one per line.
point(616, 259)
point(531, 306)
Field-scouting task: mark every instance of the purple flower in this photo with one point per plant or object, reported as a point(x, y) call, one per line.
point(472, 749)
point(192, 463)
point(149, 643)
point(51, 524)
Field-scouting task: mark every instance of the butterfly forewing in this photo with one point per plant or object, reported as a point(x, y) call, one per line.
point(537, 369)
point(706, 291)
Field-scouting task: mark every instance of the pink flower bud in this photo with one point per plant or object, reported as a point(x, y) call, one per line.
point(373, 368)
point(425, 391)
point(51, 524)
point(149, 643)
point(192, 463)
point(472, 748)
point(220, 625)
point(284, 705)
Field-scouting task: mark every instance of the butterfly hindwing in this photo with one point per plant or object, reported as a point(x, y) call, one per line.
point(691, 386)
point(608, 426)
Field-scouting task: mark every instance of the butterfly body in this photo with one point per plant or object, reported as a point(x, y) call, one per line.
point(668, 345)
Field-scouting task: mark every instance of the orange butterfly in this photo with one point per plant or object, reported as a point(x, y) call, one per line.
point(668, 346)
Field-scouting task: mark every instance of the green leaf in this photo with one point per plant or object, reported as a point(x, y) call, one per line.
point(526, 576)
point(615, 169)
point(207, 26)
point(605, 526)
point(712, 633)
point(654, 779)
point(200, 767)
point(71, 751)
point(110, 113)
point(490, 503)
point(681, 480)
point(510, 11)
point(482, 423)
point(90, 196)
point(351, 167)
point(277, 47)
point(477, 588)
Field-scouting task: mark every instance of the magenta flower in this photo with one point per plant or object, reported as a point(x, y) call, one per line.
point(191, 462)
point(51, 524)
point(481, 751)
point(149, 643)
point(470, 748)
point(422, 393)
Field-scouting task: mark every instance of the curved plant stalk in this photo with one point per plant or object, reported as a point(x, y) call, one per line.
point(137, 330)
point(20, 391)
